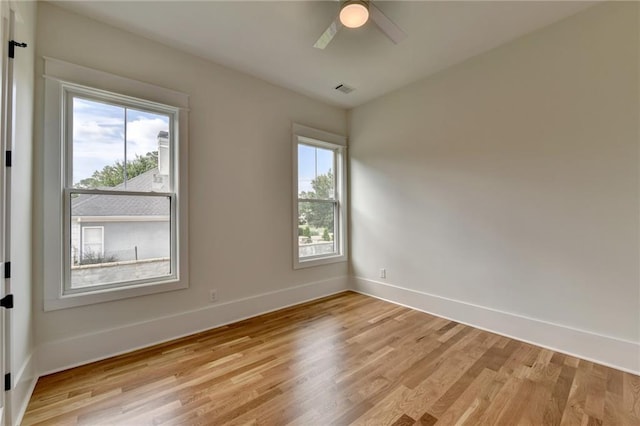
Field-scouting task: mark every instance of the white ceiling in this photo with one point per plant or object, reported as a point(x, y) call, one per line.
point(274, 40)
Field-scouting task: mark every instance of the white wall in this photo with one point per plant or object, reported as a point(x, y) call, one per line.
point(21, 329)
point(239, 183)
point(510, 182)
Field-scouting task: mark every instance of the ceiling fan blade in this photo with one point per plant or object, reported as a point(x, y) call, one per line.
point(387, 26)
point(328, 35)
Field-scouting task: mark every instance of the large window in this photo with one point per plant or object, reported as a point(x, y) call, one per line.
point(121, 227)
point(320, 205)
point(119, 181)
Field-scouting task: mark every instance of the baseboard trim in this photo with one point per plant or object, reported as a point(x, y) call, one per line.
point(23, 385)
point(606, 350)
point(63, 354)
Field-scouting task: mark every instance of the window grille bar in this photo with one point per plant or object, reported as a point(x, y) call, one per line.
point(118, 192)
point(316, 200)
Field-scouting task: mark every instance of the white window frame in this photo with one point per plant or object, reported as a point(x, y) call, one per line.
point(69, 93)
point(62, 80)
point(321, 139)
point(84, 229)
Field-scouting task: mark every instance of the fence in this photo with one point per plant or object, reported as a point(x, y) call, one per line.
point(104, 273)
point(316, 249)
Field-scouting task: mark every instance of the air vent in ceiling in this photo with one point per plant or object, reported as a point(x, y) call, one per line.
point(344, 88)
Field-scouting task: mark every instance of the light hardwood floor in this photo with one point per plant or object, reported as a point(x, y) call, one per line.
point(345, 359)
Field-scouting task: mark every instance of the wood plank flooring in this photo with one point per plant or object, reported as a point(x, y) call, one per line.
point(345, 359)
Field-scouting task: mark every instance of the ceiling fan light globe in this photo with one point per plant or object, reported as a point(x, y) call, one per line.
point(354, 15)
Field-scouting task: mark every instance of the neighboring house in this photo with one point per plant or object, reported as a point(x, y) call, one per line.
point(118, 228)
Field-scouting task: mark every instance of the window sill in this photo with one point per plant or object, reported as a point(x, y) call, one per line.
point(301, 264)
point(107, 295)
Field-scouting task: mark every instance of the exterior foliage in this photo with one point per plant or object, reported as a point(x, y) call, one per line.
point(111, 176)
point(319, 215)
point(91, 258)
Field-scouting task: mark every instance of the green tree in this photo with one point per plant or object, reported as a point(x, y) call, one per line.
point(325, 235)
point(111, 176)
point(319, 215)
point(323, 187)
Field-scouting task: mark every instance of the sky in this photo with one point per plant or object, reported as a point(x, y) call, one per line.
point(312, 162)
point(99, 132)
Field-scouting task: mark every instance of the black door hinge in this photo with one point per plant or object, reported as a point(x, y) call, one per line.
point(12, 45)
point(7, 382)
point(7, 301)
point(7, 269)
point(7, 158)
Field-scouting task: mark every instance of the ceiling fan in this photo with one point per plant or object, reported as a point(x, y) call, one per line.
point(354, 14)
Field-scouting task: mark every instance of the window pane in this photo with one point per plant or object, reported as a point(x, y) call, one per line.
point(98, 144)
point(316, 172)
point(316, 228)
point(136, 240)
point(105, 137)
point(91, 242)
point(148, 151)
point(92, 235)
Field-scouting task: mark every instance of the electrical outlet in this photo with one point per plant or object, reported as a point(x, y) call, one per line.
point(213, 295)
point(383, 273)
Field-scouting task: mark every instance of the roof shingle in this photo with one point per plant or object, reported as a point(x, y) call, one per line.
point(127, 205)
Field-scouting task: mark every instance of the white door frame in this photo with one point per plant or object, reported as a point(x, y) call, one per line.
point(7, 24)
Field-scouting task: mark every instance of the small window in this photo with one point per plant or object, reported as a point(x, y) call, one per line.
point(92, 245)
point(320, 205)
